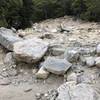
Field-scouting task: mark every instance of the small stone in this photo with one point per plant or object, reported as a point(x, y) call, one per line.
point(4, 69)
point(46, 95)
point(28, 89)
point(53, 30)
point(57, 51)
point(38, 96)
point(5, 81)
point(9, 60)
point(72, 55)
point(42, 73)
point(82, 60)
point(47, 36)
point(98, 49)
point(97, 61)
point(72, 77)
point(34, 71)
point(90, 61)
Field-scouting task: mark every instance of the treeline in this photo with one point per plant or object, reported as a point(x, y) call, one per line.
point(22, 13)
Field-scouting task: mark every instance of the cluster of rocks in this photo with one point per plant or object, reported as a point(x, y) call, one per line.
point(81, 84)
point(31, 51)
point(34, 49)
point(56, 59)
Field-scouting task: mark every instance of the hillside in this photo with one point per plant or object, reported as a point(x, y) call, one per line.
point(72, 61)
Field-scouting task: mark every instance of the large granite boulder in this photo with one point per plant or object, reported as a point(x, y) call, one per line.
point(30, 50)
point(8, 38)
point(83, 92)
point(72, 91)
point(56, 66)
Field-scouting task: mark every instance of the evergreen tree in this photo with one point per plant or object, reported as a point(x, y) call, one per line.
point(79, 7)
point(26, 13)
point(21, 13)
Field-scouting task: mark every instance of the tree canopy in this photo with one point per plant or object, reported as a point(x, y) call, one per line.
point(22, 13)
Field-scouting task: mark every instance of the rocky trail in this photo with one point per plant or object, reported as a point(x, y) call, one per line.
point(57, 59)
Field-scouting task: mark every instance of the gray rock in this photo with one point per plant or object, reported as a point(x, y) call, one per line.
point(98, 49)
point(9, 60)
point(67, 29)
point(72, 55)
point(57, 51)
point(87, 51)
point(97, 61)
point(90, 61)
point(72, 77)
point(5, 81)
point(56, 66)
point(71, 91)
point(12, 72)
point(42, 73)
point(47, 36)
point(63, 91)
point(82, 60)
point(8, 38)
point(31, 50)
point(83, 92)
point(28, 89)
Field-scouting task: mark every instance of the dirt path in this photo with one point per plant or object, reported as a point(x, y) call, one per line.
point(12, 92)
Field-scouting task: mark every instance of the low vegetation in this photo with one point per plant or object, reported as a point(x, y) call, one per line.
point(22, 13)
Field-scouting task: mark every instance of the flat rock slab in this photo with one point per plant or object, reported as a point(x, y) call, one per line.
point(8, 38)
point(56, 66)
point(30, 50)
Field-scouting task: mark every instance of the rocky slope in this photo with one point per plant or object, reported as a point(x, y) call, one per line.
point(58, 51)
